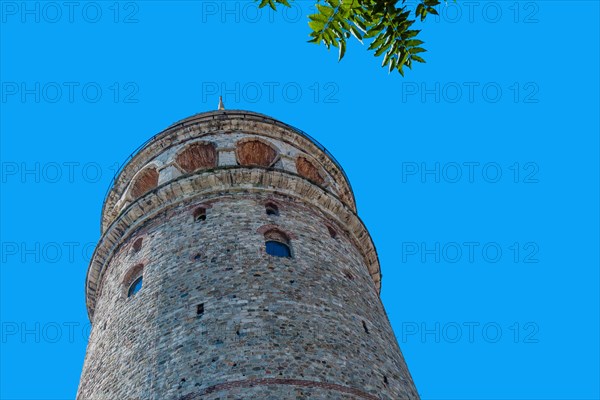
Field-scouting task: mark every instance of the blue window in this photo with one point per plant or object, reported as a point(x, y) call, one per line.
point(278, 249)
point(135, 287)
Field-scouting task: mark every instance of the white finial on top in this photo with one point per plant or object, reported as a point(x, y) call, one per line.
point(221, 105)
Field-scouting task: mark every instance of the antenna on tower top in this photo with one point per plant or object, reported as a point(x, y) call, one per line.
point(221, 105)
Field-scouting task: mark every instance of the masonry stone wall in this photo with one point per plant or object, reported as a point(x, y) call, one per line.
point(219, 318)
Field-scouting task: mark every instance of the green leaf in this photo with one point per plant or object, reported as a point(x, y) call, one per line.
point(392, 64)
point(419, 9)
point(325, 10)
point(415, 42)
point(386, 45)
point(316, 25)
point(416, 50)
point(377, 42)
point(336, 28)
point(410, 34)
point(382, 50)
point(356, 33)
point(432, 10)
point(318, 17)
point(386, 58)
point(361, 25)
point(431, 3)
point(342, 50)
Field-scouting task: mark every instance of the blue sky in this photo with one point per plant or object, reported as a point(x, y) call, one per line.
point(476, 174)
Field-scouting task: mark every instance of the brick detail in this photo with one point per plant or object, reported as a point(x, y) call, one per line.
point(249, 383)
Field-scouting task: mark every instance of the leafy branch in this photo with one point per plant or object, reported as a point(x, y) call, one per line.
point(385, 24)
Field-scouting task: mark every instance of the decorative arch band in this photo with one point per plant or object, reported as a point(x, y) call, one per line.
point(250, 383)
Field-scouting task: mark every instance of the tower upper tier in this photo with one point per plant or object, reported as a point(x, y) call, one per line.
point(163, 157)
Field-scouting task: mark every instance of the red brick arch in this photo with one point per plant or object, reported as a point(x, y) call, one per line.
point(144, 182)
point(272, 227)
point(197, 156)
point(255, 152)
point(308, 170)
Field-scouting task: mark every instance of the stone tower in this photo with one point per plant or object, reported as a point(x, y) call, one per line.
point(232, 265)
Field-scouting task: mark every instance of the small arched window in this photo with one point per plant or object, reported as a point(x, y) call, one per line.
point(135, 287)
point(271, 209)
point(332, 232)
point(132, 282)
point(137, 245)
point(200, 214)
point(277, 244)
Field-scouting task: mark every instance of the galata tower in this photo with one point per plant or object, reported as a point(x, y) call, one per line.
point(232, 264)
